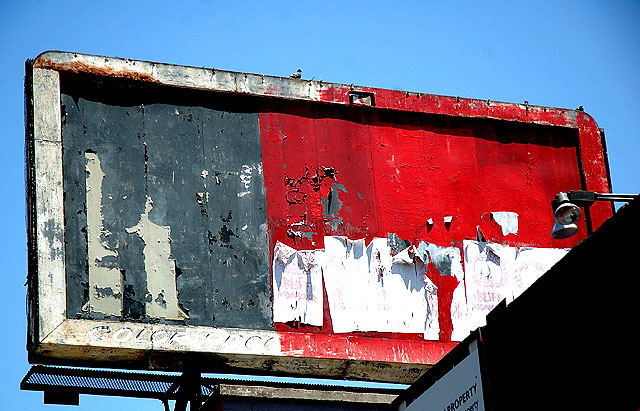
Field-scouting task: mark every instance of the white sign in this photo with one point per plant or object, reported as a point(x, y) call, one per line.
point(458, 390)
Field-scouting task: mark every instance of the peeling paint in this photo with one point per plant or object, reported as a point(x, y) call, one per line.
point(54, 232)
point(105, 280)
point(246, 174)
point(453, 152)
point(202, 198)
point(312, 202)
point(332, 205)
point(446, 260)
point(177, 155)
point(160, 267)
point(396, 243)
point(507, 220)
point(300, 234)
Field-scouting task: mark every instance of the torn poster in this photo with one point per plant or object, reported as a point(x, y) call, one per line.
point(448, 261)
point(507, 220)
point(297, 285)
point(494, 272)
point(371, 290)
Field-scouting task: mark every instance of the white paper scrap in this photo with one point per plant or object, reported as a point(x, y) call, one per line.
point(371, 290)
point(297, 285)
point(494, 272)
point(507, 220)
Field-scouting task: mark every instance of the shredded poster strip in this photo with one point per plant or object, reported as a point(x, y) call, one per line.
point(371, 290)
point(494, 272)
point(297, 285)
point(379, 288)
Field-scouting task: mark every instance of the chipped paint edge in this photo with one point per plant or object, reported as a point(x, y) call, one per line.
point(181, 76)
point(48, 193)
point(212, 79)
point(97, 343)
point(164, 337)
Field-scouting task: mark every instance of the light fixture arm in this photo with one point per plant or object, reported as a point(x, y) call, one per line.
point(586, 198)
point(615, 197)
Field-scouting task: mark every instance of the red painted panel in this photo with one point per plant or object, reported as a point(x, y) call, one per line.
point(393, 171)
point(361, 347)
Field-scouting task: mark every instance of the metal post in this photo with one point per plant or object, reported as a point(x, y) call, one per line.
point(190, 388)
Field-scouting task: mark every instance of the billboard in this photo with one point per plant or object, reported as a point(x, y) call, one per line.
point(282, 226)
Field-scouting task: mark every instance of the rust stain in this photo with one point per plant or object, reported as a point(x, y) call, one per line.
point(82, 67)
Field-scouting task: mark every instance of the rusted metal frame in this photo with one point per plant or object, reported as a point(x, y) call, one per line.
point(156, 383)
point(180, 76)
point(272, 86)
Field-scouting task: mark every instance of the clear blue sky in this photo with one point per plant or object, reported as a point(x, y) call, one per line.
point(552, 53)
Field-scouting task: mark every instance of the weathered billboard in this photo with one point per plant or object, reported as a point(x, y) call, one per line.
point(287, 226)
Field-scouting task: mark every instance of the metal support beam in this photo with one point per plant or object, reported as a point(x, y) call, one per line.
point(63, 385)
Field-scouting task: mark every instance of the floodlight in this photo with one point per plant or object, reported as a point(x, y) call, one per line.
point(567, 213)
point(566, 209)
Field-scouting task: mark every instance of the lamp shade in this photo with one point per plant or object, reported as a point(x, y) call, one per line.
point(560, 231)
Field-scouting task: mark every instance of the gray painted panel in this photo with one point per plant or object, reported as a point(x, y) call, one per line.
point(182, 169)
